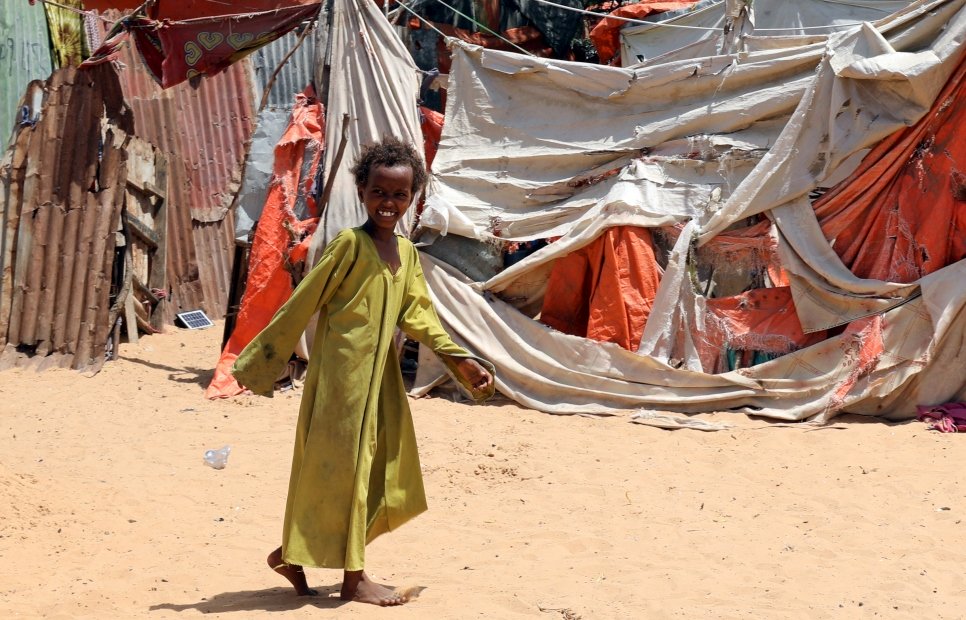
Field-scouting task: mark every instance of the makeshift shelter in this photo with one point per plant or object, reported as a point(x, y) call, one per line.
point(177, 248)
point(747, 290)
point(712, 145)
point(77, 186)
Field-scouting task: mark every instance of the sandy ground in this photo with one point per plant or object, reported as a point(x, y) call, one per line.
point(108, 511)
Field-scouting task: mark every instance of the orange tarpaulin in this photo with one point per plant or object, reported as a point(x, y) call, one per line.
point(279, 239)
point(902, 214)
point(606, 34)
point(604, 291)
point(431, 124)
point(762, 319)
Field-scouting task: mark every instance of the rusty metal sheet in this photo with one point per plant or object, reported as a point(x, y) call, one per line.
point(66, 190)
point(24, 56)
point(204, 133)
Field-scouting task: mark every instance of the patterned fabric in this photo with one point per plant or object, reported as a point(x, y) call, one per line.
point(66, 32)
point(176, 50)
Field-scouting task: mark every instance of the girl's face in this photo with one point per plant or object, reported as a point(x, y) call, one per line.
point(387, 194)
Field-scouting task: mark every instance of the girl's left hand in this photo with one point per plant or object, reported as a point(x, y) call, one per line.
point(474, 374)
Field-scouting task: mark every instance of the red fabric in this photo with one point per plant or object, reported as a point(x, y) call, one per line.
point(280, 241)
point(902, 214)
point(762, 319)
point(431, 123)
point(948, 418)
point(606, 34)
point(187, 39)
point(604, 291)
point(862, 345)
point(177, 10)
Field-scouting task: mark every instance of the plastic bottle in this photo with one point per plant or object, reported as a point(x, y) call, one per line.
point(217, 459)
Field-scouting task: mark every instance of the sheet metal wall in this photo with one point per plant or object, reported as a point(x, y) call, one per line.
point(59, 225)
point(294, 76)
point(24, 56)
point(204, 133)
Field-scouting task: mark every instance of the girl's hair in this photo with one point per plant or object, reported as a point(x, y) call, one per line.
point(390, 152)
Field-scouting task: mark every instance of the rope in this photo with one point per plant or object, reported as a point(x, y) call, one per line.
point(74, 9)
point(423, 19)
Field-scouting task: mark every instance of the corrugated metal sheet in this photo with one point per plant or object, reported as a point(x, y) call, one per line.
point(294, 76)
point(204, 133)
point(66, 193)
point(24, 56)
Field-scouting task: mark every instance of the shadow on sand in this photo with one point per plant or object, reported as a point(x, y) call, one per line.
point(270, 599)
point(199, 376)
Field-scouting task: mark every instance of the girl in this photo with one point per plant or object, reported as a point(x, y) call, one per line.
point(355, 470)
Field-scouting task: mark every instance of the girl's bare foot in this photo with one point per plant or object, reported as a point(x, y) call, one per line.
point(356, 586)
point(292, 572)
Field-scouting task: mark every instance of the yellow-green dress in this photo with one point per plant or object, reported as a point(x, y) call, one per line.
point(355, 469)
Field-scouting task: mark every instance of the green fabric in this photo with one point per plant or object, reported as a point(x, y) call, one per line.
point(355, 469)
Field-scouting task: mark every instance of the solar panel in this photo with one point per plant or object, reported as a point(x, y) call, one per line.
point(196, 319)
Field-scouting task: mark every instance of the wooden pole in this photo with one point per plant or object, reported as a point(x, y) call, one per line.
point(102, 293)
point(323, 52)
point(157, 277)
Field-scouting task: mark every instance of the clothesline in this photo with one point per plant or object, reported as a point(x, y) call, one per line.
point(74, 9)
point(423, 19)
point(479, 25)
point(671, 25)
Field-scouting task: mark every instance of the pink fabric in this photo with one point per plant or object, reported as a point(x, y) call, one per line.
point(948, 418)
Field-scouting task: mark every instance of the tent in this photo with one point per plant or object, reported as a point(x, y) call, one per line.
point(701, 151)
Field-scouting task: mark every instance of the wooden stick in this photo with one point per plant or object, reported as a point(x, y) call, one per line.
point(271, 80)
point(158, 275)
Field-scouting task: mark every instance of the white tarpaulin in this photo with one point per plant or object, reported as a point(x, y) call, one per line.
point(374, 81)
point(698, 30)
point(535, 148)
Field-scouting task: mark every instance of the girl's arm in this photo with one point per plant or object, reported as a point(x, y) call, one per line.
point(419, 320)
point(261, 362)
